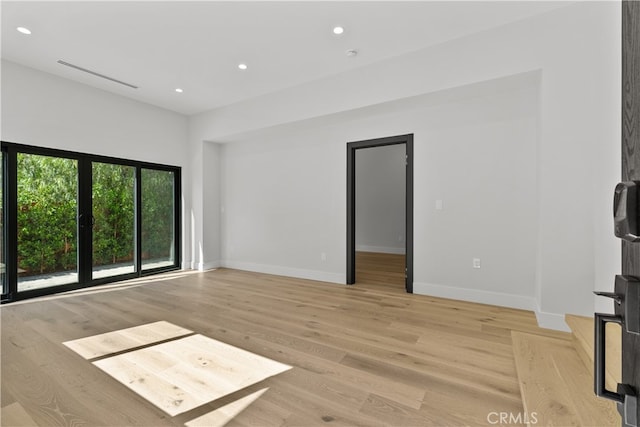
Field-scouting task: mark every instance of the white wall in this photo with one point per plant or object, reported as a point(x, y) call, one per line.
point(284, 192)
point(48, 111)
point(211, 192)
point(380, 199)
point(283, 205)
point(576, 50)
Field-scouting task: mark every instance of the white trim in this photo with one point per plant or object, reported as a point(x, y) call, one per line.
point(545, 319)
point(475, 295)
point(551, 320)
point(380, 249)
point(204, 266)
point(187, 265)
point(322, 276)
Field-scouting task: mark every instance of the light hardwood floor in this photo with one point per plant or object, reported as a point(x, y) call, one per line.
point(361, 355)
point(380, 271)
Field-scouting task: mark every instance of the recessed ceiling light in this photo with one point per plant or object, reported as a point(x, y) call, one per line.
point(179, 90)
point(338, 30)
point(242, 66)
point(24, 30)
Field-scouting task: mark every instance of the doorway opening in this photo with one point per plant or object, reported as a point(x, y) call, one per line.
point(374, 260)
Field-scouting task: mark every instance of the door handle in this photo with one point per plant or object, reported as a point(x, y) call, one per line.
point(627, 298)
point(617, 298)
point(600, 356)
point(82, 220)
point(625, 395)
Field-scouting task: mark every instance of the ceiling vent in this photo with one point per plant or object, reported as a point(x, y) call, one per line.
point(61, 62)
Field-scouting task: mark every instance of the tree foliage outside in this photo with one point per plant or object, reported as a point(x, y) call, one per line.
point(47, 209)
point(113, 213)
point(157, 215)
point(47, 214)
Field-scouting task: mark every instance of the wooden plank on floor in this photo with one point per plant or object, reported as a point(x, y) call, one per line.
point(591, 410)
point(546, 397)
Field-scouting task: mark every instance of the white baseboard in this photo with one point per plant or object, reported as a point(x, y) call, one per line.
point(545, 319)
point(200, 266)
point(551, 320)
point(210, 265)
point(277, 270)
point(475, 295)
point(380, 249)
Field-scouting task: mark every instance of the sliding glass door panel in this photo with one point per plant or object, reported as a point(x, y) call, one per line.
point(158, 218)
point(47, 192)
point(113, 220)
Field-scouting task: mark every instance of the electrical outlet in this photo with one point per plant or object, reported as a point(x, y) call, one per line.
point(476, 263)
point(323, 257)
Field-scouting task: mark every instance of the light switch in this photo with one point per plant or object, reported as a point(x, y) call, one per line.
point(438, 205)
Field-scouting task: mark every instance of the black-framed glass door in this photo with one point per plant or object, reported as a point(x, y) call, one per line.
point(47, 221)
point(157, 218)
point(72, 220)
point(113, 194)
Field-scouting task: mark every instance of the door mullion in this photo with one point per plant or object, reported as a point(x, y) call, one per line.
point(138, 222)
point(11, 223)
point(85, 222)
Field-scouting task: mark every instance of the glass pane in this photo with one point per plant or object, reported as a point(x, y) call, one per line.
point(157, 219)
point(47, 221)
point(113, 219)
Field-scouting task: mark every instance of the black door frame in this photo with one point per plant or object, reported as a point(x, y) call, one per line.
point(351, 203)
point(631, 169)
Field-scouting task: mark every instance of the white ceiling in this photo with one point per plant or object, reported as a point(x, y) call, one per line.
point(162, 45)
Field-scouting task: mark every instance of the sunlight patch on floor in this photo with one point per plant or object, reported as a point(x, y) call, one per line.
point(226, 413)
point(125, 339)
point(178, 373)
point(182, 374)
